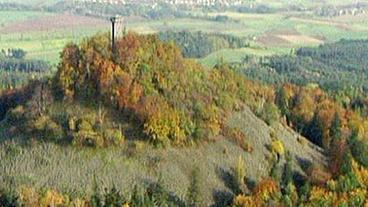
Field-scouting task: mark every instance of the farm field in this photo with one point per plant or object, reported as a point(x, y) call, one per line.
point(32, 2)
point(43, 34)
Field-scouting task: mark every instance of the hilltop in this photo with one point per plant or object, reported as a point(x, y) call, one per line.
point(145, 106)
point(260, 115)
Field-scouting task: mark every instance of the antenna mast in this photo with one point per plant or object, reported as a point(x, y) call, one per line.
point(115, 23)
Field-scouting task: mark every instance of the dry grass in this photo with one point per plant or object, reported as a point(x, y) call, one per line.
point(71, 169)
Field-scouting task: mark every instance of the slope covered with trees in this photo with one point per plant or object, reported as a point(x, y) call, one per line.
point(340, 66)
point(147, 91)
point(152, 88)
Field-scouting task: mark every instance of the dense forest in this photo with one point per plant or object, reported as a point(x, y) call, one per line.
point(148, 91)
point(335, 67)
point(198, 44)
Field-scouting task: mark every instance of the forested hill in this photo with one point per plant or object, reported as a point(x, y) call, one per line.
point(345, 55)
point(147, 92)
point(165, 98)
point(335, 66)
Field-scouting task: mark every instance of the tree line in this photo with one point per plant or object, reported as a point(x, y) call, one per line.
point(339, 67)
point(198, 44)
point(13, 59)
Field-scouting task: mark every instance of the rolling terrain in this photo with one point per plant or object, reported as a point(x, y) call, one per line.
point(269, 32)
point(259, 104)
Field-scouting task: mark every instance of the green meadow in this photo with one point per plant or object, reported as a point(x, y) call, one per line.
point(269, 33)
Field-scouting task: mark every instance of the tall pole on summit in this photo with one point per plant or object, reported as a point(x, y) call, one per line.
point(113, 23)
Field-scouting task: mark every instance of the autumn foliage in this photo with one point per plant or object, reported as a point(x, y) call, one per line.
point(173, 100)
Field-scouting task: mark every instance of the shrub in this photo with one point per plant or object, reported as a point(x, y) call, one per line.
point(52, 198)
point(194, 190)
point(28, 197)
point(237, 136)
point(87, 131)
point(266, 190)
point(8, 199)
point(72, 123)
point(318, 176)
point(87, 138)
point(291, 196)
point(304, 191)
point(239, 172)
point(140, 198)
point(46, 127)
point(287, 177)
point(276, 171)
point(135, 147)
point(16, 115)
point(244, 201)
point(163, 127)
point(163, 124)
point(277, 147)
point(359, 150)
point(113, 197)
point(114, 137)
point(347, 183)
point(269, 113)
point(209, 122)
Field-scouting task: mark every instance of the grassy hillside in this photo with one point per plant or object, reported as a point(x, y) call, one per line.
point(72, 170)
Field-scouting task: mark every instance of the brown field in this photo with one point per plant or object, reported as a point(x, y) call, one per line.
point(53, 23)
point(300, 39)
point(275, 37)
point(271, 40)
